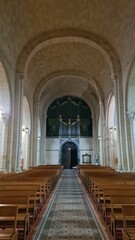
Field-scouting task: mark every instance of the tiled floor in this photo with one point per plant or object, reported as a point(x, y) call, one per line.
point(69, 216)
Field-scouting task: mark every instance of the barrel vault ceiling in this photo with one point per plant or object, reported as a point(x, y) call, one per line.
point(65, 47)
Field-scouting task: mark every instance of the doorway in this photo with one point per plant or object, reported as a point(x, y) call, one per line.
point(69, 155)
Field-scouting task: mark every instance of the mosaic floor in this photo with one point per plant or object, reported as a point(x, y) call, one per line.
point(69, 216)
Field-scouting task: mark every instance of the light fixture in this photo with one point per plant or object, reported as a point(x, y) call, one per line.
point(25, 129)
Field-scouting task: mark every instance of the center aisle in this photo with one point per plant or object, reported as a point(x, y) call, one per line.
point(69, 216)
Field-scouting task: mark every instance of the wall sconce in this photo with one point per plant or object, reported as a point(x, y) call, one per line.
point(99, 137)
point(112, 129)
point(25, 129)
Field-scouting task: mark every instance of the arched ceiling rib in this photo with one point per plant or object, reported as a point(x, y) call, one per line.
point(68, 56)
point(46, 37)
point(22, 21)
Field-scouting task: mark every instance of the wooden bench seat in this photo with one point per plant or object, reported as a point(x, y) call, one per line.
point(117, 220)
point(8, 235)
point(22, 203)
point(128, 212)
point(20, 193)
point(115, 206)
point(8, 222)
point(36, 185)
point(105, 196)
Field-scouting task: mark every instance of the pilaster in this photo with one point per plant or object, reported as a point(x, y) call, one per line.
point(131, 116)
point(101, 139)
point(43, 140)
point(18, 108)
point(95, 137)
point(116, 77)
point(5, 119)
point(35, 131)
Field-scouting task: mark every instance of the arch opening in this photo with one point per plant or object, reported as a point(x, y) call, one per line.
point(69, 155)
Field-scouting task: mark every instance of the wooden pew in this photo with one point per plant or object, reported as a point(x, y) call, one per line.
point(115, 206)
point(100, 194)
point(8, 222)
point(22, 203)
point(105, 196)
point(103, 185)
point(32, 202)
point(48, 166)
point(128, 211)
point(35, 183)
point(117, 219)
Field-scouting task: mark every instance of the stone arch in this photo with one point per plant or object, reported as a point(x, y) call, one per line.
point(53, 76)
point(71, 35)
point(69, 141)
point(44, 83)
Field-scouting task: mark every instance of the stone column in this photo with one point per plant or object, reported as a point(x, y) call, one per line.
point(131, 116)
point(116, 77)
point(111, 142)
point(107, 150)
point(35, 131)
point(78, 126)
point(5, 118)
point(9, 143)
point(43, 140)
point(18, 108)
point(95, 137)
point(101, 140)
point(25, 148)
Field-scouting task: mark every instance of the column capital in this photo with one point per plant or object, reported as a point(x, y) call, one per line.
point(78, 118)
point(5, 117)
point(60, 118)
point(131, 115)
point(36, 101)
point(115, 77)
point(20, 75)
point(93, 116)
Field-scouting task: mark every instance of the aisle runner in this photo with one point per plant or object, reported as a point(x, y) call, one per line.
point(70, 217)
